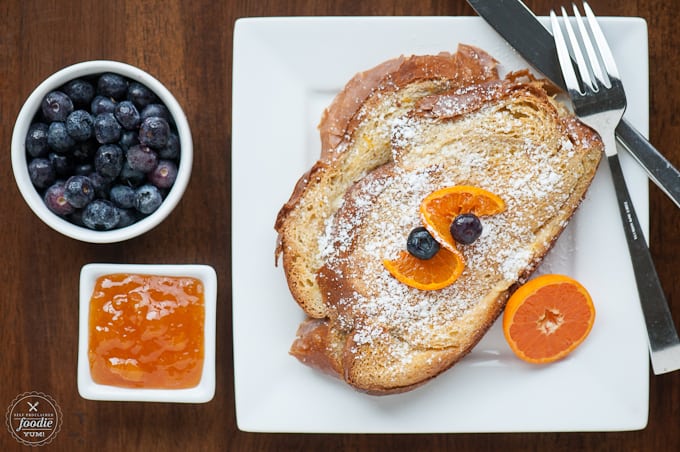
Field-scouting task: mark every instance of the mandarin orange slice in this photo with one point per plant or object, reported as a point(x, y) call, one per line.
point(547, 318)
point(441, 207)
point(439, 271)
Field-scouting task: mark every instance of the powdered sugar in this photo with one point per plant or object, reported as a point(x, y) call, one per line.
point(487, 149)
point(404, 131)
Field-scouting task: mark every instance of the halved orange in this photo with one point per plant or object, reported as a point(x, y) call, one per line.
point(439, 271)
point(441, 207)
point(547, 318)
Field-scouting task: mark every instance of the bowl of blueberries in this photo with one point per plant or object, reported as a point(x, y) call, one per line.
point(101, 151)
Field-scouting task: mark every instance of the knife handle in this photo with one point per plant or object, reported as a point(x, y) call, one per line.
point(660, 327)
point(659, 170)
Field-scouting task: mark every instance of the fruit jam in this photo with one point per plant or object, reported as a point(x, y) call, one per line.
point(146, 331)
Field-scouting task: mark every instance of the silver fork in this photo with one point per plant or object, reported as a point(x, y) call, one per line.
point(599, 101)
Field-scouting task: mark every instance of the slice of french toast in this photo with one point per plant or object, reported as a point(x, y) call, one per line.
point(396, 134)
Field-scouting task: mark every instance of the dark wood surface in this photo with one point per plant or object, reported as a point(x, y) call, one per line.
point(188, 46)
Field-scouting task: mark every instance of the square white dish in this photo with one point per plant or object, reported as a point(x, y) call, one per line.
point(286, 71)
point(204, 391)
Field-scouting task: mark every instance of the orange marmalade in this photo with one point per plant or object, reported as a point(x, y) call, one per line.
point(146, 331)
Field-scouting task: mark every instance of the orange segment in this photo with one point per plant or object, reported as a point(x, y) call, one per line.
point(431, 274)
point(441, 207)
point(547, 318)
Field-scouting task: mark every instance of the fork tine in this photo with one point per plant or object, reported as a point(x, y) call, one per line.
point(578, 55)
point(568, 73)
point(590, 50)
point(605, 51)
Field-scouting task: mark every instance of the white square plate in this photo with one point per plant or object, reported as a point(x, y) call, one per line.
point(286, 70)
point(204, 391)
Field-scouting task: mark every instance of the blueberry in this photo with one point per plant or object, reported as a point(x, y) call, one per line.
point(112, 85)
point(164, 175)
point(142, 158)
point(85, 150)
point(100, 184)
point(80, 91)
point(108, 160)
point(56, 106)
point(127, 115)
point(77, 218)
point(147, 198)
point(131, 177)
point(154, 132)
point(127, 217)
point(421, 244)
point(79, 191)
point(41, 172)
point(79, 125)
point(128, 139)
point(83, 169)
point(56, 201)
point(122, 196)
point(36, 140)
point(63, 166)
point(156, 110)
point(106, 128)
point(101, 104)
point(140, 95)
point(100, 215)
point(171, 149)
point(466, 228)
point(58, 137)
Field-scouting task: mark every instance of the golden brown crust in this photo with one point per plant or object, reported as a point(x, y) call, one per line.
point(313, 346)
point(335, 119)
point(317, 347)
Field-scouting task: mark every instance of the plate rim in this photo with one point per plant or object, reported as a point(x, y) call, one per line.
point(244, 24)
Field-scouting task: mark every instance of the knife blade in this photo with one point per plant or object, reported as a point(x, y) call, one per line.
point(518, 25)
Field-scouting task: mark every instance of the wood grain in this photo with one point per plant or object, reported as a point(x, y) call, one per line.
point(188, 46)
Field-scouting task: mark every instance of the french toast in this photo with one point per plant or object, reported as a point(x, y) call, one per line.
point(395, 134)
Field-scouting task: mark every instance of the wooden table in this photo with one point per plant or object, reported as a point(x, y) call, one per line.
point(188, 46)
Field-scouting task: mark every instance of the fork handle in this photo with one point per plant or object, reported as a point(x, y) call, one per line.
point(660, 327)
point(659, 170)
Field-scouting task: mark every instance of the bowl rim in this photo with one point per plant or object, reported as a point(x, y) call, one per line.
point(20, 163)
point(204, 391)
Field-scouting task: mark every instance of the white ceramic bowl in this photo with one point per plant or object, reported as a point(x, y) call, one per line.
point(201, 393)
point(20, 165)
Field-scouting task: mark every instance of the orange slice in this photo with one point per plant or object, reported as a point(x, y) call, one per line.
point(547, 318)
point(441, 207)
point(439, 271)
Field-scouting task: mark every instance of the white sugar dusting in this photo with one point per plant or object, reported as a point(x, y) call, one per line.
point(373, 223)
